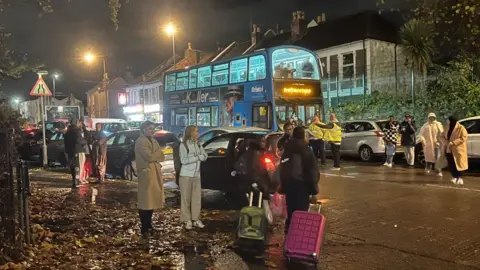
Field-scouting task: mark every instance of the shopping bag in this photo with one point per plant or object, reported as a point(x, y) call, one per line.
point(278, 205)
point(268, 211)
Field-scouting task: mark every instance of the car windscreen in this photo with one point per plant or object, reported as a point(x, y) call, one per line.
point(166, 139)
point(115, 127)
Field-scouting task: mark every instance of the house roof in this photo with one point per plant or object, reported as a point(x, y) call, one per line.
point(365, 25)
point(115, 84)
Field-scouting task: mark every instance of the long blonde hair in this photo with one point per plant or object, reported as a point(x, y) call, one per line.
point(187, 135)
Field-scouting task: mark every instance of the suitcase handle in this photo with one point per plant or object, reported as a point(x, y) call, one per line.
point(250, 199)
point(319, 204)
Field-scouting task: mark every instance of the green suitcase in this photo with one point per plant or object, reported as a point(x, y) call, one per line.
point(253, 224)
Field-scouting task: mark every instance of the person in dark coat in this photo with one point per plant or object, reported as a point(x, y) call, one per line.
point(252, 169)
point(75, 149)
point(288, 130)
point(299, 174)
point(407, 129)
point(99, 152)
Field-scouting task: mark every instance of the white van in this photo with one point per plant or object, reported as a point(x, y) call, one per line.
point(109, 125)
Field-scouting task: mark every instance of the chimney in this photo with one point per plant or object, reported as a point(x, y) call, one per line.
point(321, 18)
point(128, 73)
point(192, 56)
point(256, 34)
point(299, 25)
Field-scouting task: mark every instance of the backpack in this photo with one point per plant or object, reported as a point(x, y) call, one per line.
point(291, 168)
point(177, 163)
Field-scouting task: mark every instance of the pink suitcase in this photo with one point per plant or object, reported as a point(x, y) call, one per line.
point(305, 236)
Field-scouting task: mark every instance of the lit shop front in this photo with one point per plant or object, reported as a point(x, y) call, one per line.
point(134, 113)
point(142, 112)
point(153, 113)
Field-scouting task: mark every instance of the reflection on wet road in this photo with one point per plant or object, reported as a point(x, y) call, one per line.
point(377, 218)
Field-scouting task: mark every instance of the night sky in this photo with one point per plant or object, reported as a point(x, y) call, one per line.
point(57, 39)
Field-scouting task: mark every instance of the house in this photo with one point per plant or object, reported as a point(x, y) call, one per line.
point(145, 95)
point(359, 54)
point(103, 102)
point(55, 108)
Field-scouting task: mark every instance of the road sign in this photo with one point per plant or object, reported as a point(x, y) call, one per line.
point(40, 89)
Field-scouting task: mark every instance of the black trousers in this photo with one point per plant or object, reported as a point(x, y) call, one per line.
point(145, 221)
point(298, 199)
point(335, 154)
point(453, 167)
point(318, 147)
point(73, 163)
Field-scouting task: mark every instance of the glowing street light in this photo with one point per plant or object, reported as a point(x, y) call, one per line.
point(89, 57)
point(16, 100)
point(170, 29)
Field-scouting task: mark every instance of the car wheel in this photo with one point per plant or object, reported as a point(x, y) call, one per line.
point(365, 153)
point(129, 171)
point(419, 155)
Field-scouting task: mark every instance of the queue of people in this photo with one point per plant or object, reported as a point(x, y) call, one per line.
point(78, 144)
point(442, 145)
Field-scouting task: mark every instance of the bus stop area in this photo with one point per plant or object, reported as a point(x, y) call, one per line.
point(376, 218)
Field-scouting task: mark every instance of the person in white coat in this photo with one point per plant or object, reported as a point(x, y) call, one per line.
point(191, 155)
point(430, 137)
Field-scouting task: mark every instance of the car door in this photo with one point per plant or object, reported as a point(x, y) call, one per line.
point(213, 171)
point(473, 141)
point(53, 146)
point(348, 138)
point(111, 152)
point(123, 151)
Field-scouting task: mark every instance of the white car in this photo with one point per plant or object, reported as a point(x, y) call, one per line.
point(363, 139)
point(472, 125)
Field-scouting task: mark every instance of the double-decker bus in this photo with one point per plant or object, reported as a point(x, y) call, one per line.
point(265, 89)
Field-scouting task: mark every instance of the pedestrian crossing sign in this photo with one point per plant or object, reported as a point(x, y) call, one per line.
point(40, 89)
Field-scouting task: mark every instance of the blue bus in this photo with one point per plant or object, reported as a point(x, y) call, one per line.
point(265, 89)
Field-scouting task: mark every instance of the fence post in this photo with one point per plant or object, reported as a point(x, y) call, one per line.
point(25, 197)
point(21, 214)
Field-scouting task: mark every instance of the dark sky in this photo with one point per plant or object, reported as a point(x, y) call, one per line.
point(57, 39)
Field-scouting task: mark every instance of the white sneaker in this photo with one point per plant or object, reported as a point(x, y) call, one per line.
point(385, 164)
point(454, 180)
point(188, 225)
point(440, 174)
point(427, 171)
point(335, 169)
point(198, 224)
point(389, 165)
point(460, 181)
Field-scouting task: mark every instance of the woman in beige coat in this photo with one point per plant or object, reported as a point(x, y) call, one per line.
point(150, 196)
point(455, 140)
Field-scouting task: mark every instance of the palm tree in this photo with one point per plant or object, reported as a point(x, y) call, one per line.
point(418, 46)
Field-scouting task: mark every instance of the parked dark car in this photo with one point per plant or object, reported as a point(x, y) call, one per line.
point(121, 152)
point(222, 154)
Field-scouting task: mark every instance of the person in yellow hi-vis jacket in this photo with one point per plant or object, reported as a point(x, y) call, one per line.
point(333, 135)
point(317, 142)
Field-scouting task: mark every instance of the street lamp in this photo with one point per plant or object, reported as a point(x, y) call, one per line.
point(55, 77)
point(90, 57)
point(170, 29)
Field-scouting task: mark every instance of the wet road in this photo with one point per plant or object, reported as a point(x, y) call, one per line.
point(377, 218)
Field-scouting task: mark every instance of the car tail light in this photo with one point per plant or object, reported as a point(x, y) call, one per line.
point(269, 165)
point(378, 133)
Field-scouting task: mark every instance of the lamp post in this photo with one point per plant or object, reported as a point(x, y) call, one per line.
point(90, 57)
point(170, 29)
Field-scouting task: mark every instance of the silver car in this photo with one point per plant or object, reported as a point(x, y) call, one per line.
point(363, 139)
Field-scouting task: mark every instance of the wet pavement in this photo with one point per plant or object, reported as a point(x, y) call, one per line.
point(377, 218)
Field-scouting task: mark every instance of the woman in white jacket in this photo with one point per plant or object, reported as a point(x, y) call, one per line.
point(191, 155)
point(430, 137)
